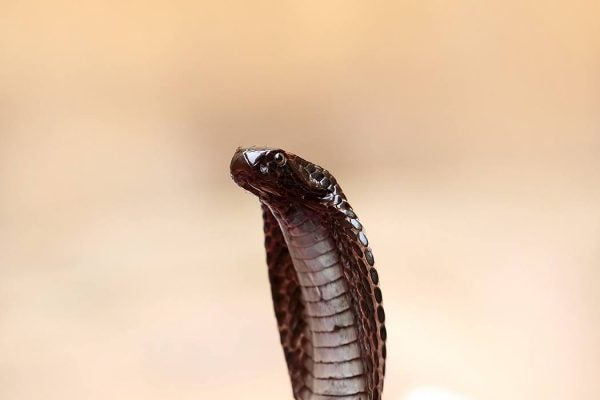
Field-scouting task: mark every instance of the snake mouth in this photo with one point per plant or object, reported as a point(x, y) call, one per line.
point(240, 177)
point(244, 180)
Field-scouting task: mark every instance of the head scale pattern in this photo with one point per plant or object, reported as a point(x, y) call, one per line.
point(275, 175)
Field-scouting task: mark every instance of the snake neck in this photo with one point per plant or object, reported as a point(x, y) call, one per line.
point(334, 366)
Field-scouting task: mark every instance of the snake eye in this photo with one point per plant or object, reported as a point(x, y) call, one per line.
point(279, 159)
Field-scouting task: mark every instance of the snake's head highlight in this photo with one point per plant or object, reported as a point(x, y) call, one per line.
point(273, 174)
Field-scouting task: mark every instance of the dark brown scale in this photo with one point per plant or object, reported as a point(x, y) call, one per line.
point(317, 176)
point(374, 276)
point(383, 333)
point(369, 257)
point(380, 314)
point(378, 295)
point(356, 248)
point(347, 229)
point(363, 268)
point(365, 286)
point(375, 335)
point(310, 168)
point(364, 306)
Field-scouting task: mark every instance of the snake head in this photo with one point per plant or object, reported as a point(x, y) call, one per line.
point(274, 174)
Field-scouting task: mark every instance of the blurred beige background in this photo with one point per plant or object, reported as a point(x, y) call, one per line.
point(466, 134)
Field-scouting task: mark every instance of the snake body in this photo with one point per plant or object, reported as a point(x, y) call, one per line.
point(325, 289)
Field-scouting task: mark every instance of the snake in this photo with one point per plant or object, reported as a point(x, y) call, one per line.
point(324, 285)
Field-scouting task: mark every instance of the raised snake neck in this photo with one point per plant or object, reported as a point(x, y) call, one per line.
point(325, 289)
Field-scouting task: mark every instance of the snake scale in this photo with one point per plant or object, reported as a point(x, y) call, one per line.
point(325, 289)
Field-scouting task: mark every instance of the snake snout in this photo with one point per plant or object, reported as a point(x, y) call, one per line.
point(239, 166)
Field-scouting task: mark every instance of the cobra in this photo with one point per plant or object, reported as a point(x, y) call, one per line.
point(326, 297)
